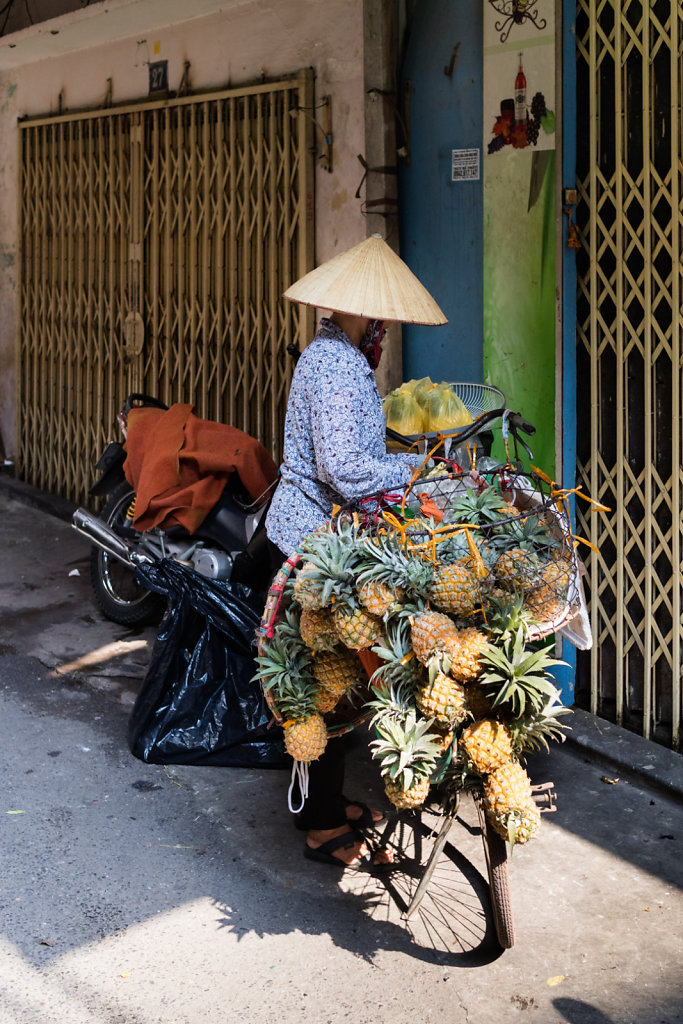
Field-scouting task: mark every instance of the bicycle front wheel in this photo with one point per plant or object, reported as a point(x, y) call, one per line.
point(496, 851)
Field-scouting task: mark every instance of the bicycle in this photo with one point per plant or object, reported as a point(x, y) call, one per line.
point(431, 842)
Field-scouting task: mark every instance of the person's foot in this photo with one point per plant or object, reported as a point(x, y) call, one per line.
point(354, 813)
point(358, 815)
point(352, 852)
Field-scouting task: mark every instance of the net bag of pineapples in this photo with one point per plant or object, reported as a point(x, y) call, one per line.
point(449, 587)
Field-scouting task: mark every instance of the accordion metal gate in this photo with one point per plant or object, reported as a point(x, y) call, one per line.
point(629, 86)
point(156, 242)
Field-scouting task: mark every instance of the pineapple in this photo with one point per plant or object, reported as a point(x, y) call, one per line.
point(524, 546)
point(378, 598)
point(543, 604)
point(506, 614)
point(454, 589)
point(389, 572)
point(317, 629)
point(392, 702)
point(333, 554)
point(468, 548)
point(407, 799)
point(285, 668)
point(509, 804)
point(327, 700)
point(284, 660)
point(476, 566)
point(488, 744)
point(557, 572)
point(429, 632)
point(306, 738)
point(356, 628)
point(308, 587)
point(478, 703)
point(336, 672)
point(407, 751)
point(464, 650)
point(517, 568)
point(547, 601)
point(442, 698)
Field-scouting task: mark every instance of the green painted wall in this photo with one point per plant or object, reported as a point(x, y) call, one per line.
point(520, 218)
point(519, 289)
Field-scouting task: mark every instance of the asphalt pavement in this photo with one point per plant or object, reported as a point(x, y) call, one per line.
point(139, 893)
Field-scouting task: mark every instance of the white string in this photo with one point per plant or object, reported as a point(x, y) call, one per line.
point(300, 774)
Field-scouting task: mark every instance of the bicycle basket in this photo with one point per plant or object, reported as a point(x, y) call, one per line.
point(524, 552)
point(479, 398)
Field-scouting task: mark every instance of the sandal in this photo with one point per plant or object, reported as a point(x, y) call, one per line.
point(366, 819)
point(325, 853)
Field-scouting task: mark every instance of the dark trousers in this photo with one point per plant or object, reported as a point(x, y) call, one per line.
point(325, 807)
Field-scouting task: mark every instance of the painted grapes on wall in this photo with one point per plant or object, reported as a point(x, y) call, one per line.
point(520, 122)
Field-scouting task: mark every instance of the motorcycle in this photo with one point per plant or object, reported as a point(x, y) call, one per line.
point(230, 543)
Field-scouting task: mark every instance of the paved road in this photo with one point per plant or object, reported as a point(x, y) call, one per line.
point(139, 894)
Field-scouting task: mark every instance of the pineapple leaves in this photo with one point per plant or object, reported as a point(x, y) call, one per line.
point(517, 677)
point(532, 731)
point(405, 748)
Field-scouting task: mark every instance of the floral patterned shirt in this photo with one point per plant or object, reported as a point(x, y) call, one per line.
point(334, 447)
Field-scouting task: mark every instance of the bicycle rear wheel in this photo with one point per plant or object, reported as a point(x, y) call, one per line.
point(496, 851)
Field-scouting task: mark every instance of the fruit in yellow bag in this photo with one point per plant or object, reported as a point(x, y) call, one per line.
point(406, 388)
point(445, 411)
point(421, 390)
point(403, 414)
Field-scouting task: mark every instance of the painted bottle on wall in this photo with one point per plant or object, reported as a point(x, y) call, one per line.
point(520, 94)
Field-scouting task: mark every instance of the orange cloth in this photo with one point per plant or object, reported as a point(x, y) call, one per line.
point(179, 464)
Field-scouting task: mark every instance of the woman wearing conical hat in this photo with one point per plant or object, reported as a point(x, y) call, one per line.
point(334, 452)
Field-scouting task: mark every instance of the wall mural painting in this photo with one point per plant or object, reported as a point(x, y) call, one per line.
point(520, 218)
point(523, 118)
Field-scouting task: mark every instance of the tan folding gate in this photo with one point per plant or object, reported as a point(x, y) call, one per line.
point(156, 242)
point(630, 74)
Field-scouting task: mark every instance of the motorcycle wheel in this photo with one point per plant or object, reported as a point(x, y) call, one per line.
point(117, 592)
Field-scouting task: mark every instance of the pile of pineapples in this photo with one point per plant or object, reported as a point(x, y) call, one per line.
point(461, 693)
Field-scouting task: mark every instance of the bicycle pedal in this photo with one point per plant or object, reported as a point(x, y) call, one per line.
point(544, 797)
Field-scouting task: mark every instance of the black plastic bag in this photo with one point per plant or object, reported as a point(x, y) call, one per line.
point(198, 704)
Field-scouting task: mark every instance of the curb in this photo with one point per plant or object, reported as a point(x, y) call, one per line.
point(52, 504)
point(634, 756)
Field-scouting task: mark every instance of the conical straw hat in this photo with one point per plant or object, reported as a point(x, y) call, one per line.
point(368, 280)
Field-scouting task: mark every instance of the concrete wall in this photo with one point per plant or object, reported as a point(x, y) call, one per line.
point(230, 47)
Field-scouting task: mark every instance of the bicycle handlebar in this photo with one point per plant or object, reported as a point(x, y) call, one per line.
point(515, 422)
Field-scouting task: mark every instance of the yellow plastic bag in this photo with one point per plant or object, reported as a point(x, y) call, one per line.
point(403, 414)
point(445, 411)
point(406, 388)
point(421, 391)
